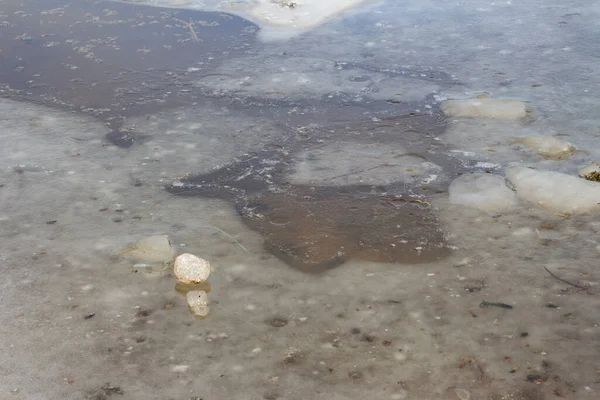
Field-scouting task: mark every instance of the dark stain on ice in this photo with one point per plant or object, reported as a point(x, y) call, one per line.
point(112, 60)
point(115, 60)
point(314, 228)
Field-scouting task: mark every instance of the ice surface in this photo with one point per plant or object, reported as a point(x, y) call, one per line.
point(360, 320)
point(486, 192)
point(155, 249)
point(493, 144)
point(547, 146)
point(200, 138)
point(485, 108)
point(69, 200)
point(369, 164)
point(560, 193)
point(304, 77)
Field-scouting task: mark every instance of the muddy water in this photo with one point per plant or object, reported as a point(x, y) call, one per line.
point(329, 149)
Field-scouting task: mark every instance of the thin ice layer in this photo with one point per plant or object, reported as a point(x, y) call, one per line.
point(285, 77)
point(362, 163)
point(486, 192)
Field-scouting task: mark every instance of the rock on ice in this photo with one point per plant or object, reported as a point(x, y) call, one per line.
point(591, 172)
point(198, 302)
point(547, 146)
point(485, 108)
point(191, 269)
point(560, 193)
point(485, 192)
point(151, 249)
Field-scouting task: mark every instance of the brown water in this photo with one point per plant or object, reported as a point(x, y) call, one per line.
point(315, 228)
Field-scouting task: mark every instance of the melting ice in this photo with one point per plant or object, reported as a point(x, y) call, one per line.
point(308, 125)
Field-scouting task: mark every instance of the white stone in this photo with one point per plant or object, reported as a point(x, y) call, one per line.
point(556, 192)
point(151, 249)
point(589, 170)
point(547, 146)
point(191, 269)
point(485, 108)
point(198, 302)
point(485, 192)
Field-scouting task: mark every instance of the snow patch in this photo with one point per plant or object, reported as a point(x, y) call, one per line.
point(278, 19)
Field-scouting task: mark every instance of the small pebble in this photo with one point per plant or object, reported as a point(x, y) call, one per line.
point(198, 302)
point(191, 269)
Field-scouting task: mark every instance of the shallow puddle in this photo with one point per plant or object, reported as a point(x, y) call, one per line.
point(315, 228)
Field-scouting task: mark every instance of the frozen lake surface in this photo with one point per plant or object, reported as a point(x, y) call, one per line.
point(398, 199)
